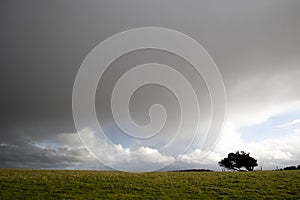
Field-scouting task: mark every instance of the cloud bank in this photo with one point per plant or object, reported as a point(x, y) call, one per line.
point(255, 44)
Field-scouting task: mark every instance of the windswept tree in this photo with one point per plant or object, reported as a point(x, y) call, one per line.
point(237, 160)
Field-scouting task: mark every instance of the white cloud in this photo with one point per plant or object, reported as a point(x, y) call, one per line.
point(196, 157)
point(278, 151)
point(291, 123)
point(125, 159)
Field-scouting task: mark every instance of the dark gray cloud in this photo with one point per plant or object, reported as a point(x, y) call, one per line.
point(31, 155)
point(42, 44)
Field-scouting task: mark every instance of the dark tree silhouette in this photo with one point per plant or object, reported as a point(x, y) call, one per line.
point(237, 160)
point(290, 168)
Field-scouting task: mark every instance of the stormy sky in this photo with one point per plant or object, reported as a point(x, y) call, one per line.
point(255, 45)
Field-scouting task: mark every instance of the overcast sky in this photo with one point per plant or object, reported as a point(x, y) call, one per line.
point(255, 45)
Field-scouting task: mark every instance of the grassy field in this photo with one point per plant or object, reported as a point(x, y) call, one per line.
point(46, 184)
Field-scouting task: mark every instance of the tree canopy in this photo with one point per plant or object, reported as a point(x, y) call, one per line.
point(237, 160)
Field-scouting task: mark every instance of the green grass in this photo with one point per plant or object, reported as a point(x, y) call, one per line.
point(52, 184)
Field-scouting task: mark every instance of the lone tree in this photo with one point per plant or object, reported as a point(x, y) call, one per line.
point(237, 160)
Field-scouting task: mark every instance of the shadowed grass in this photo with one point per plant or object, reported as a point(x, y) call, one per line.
point(58, 184)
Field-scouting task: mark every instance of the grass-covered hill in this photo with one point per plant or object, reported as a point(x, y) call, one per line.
point(56, 184)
